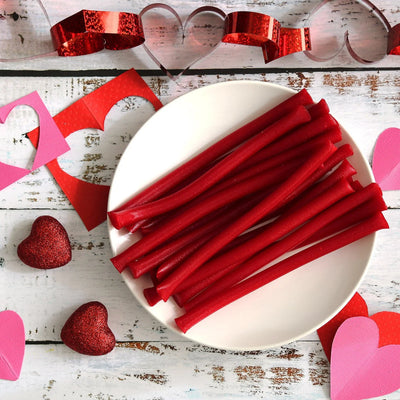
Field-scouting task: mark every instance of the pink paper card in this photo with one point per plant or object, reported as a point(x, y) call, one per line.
point(89, 199)
point(386, 159)
point(12, 345)
point(51, 142)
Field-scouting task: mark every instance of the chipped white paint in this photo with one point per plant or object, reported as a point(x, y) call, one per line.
point(150, 362)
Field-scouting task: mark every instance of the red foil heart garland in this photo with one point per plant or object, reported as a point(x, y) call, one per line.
point(90, 31)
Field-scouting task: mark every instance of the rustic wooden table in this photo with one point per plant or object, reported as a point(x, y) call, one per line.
point(150, 361)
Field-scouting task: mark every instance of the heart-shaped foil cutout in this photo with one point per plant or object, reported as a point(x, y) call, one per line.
point(358, 26)
point(24, 31)
point(175, 45)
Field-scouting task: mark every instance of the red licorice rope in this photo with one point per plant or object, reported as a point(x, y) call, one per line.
point(218, 149)
point(132, 215)
point(167, 286)
point(280, 269)
point(288, 243)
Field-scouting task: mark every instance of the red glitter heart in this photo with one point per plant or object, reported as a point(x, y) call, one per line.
point(47, 246)
point(86, 330)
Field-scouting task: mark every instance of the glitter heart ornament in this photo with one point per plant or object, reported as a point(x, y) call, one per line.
point(47, 246)
point(86, 330)
point(12, 345)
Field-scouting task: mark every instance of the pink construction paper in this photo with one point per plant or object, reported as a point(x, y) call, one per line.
point(12, 345)
point(51, 141)
point(386, 159)
point(360, 369)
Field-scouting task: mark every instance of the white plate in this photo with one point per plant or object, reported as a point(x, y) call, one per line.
point(283, 311)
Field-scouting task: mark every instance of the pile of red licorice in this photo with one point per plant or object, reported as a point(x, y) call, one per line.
point(280, 183)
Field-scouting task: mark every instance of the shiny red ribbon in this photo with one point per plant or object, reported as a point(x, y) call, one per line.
point(255, 29)
point(90, 31)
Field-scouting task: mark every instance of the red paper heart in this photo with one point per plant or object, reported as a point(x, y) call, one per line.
point(389, 327)
point(86, 330)
point(187, 42)
point(388, 324)
point(47, 246)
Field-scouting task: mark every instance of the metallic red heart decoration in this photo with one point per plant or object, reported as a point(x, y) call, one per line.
point(86, 330)
point(47, 246)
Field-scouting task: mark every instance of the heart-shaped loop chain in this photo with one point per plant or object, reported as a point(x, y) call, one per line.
point(368, 38)
point(176, 45)
point(90, 31)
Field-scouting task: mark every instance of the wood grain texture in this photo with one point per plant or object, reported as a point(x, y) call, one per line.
point(150, 361)
point(173, 370)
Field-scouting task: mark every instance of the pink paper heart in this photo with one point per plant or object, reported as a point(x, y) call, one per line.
point(359, 368)
point(386, 159)
point(12, 345)
point(187, 42)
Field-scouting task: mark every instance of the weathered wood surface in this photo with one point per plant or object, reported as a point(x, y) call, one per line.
point(151, 362)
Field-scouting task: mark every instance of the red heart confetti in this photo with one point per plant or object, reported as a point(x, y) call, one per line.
point(47, 246)
point(86, 330)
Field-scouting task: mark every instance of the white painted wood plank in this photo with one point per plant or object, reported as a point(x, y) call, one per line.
point(171, 371)
point(225, 56)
